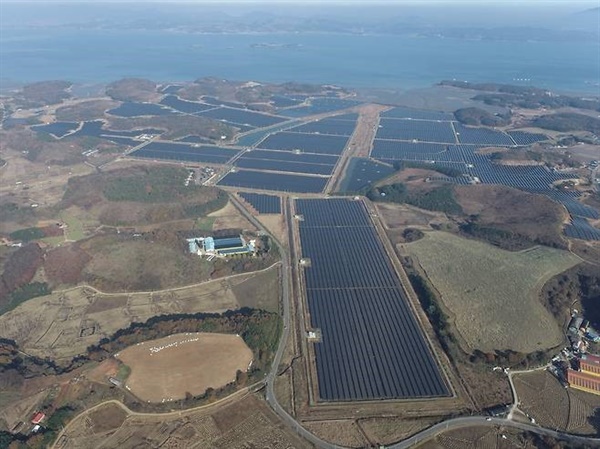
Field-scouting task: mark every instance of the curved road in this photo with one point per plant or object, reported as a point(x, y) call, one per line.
point(426, 434)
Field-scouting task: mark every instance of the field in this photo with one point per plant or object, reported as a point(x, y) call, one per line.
point(497, 289)
point(234, 424)
point(361, 311)
point(481, 437)
point(65, 323)
point(171, 367)
point(542, 397)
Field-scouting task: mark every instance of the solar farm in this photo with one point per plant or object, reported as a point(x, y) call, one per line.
point(423, 136)
point(299, 159)
point(185, 152)
point(280, 153)
point(263, 204)
point(371, 346)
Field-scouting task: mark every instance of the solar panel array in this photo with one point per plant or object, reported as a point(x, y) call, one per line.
point(188, 107)
point(263, 204)
point(185, 152)
point(418, 130)
point(482, 136)
point(310, 149)
point(411, 140)
point(362, 173)
point(329, 126)
point(525, 138)
point(417, 114)
point(251, 179)
point(371, 345)
point(307, 143)
point(241, 117)
point(580, 228)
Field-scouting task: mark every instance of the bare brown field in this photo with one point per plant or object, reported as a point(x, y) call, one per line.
point(230, 218)
point(275, 224)
point(169, 368)
point(14, 412)
point(235, 424)
point(481, 437)
point(497, 289)
point(403, 215)
point(534, 216)
point(412, 177)
point(64, 324)
point(345, 433)
point(551, 405)
point(585, 153)
point(385, 430)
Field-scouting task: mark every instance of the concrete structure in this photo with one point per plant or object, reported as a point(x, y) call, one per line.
point(222, 247)
point(588, 376)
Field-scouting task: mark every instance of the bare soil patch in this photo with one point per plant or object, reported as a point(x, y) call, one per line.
point(276, 225)
point(235, 424)
point(533, 216)
point(404, 215)
point(168, 368)
point(106, 418)
point(64, 324)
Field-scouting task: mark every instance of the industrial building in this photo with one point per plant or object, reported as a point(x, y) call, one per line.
point(588, 376)
point(222, 247)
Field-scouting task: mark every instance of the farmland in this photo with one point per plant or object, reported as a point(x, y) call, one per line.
point(169, 368)
point(374, 341)
point(65, 323)
point(233, 424)
point(496, 288)
point(543, 398)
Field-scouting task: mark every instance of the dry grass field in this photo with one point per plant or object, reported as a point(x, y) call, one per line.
point(551, 405)
point(168, 368)
point(229, 218)
point(403, 215)
point(493, 294)
point(64, 324)
point(236, 424)
point(276, 225)
point(482, 437)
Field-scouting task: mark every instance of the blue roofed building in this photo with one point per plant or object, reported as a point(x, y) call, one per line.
point(223, 247)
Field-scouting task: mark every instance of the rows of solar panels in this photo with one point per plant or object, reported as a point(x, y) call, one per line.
point(424, 137)
point(371, 344)
point(300, 159)
point(263, 204)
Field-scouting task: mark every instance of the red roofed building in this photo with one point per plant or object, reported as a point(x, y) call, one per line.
point(38, 418)
point(588, 378)
point(590, 363)
point(581, 380)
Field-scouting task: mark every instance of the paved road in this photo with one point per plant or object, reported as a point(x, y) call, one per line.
point(455, 423)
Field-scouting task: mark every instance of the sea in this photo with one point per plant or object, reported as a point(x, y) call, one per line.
point(349, 60)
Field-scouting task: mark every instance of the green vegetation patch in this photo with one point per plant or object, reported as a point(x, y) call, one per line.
point(493, 294)
point(568, 121)
point(437, 199)
point(25, 292)
point(157, 185)
point(27, 234)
